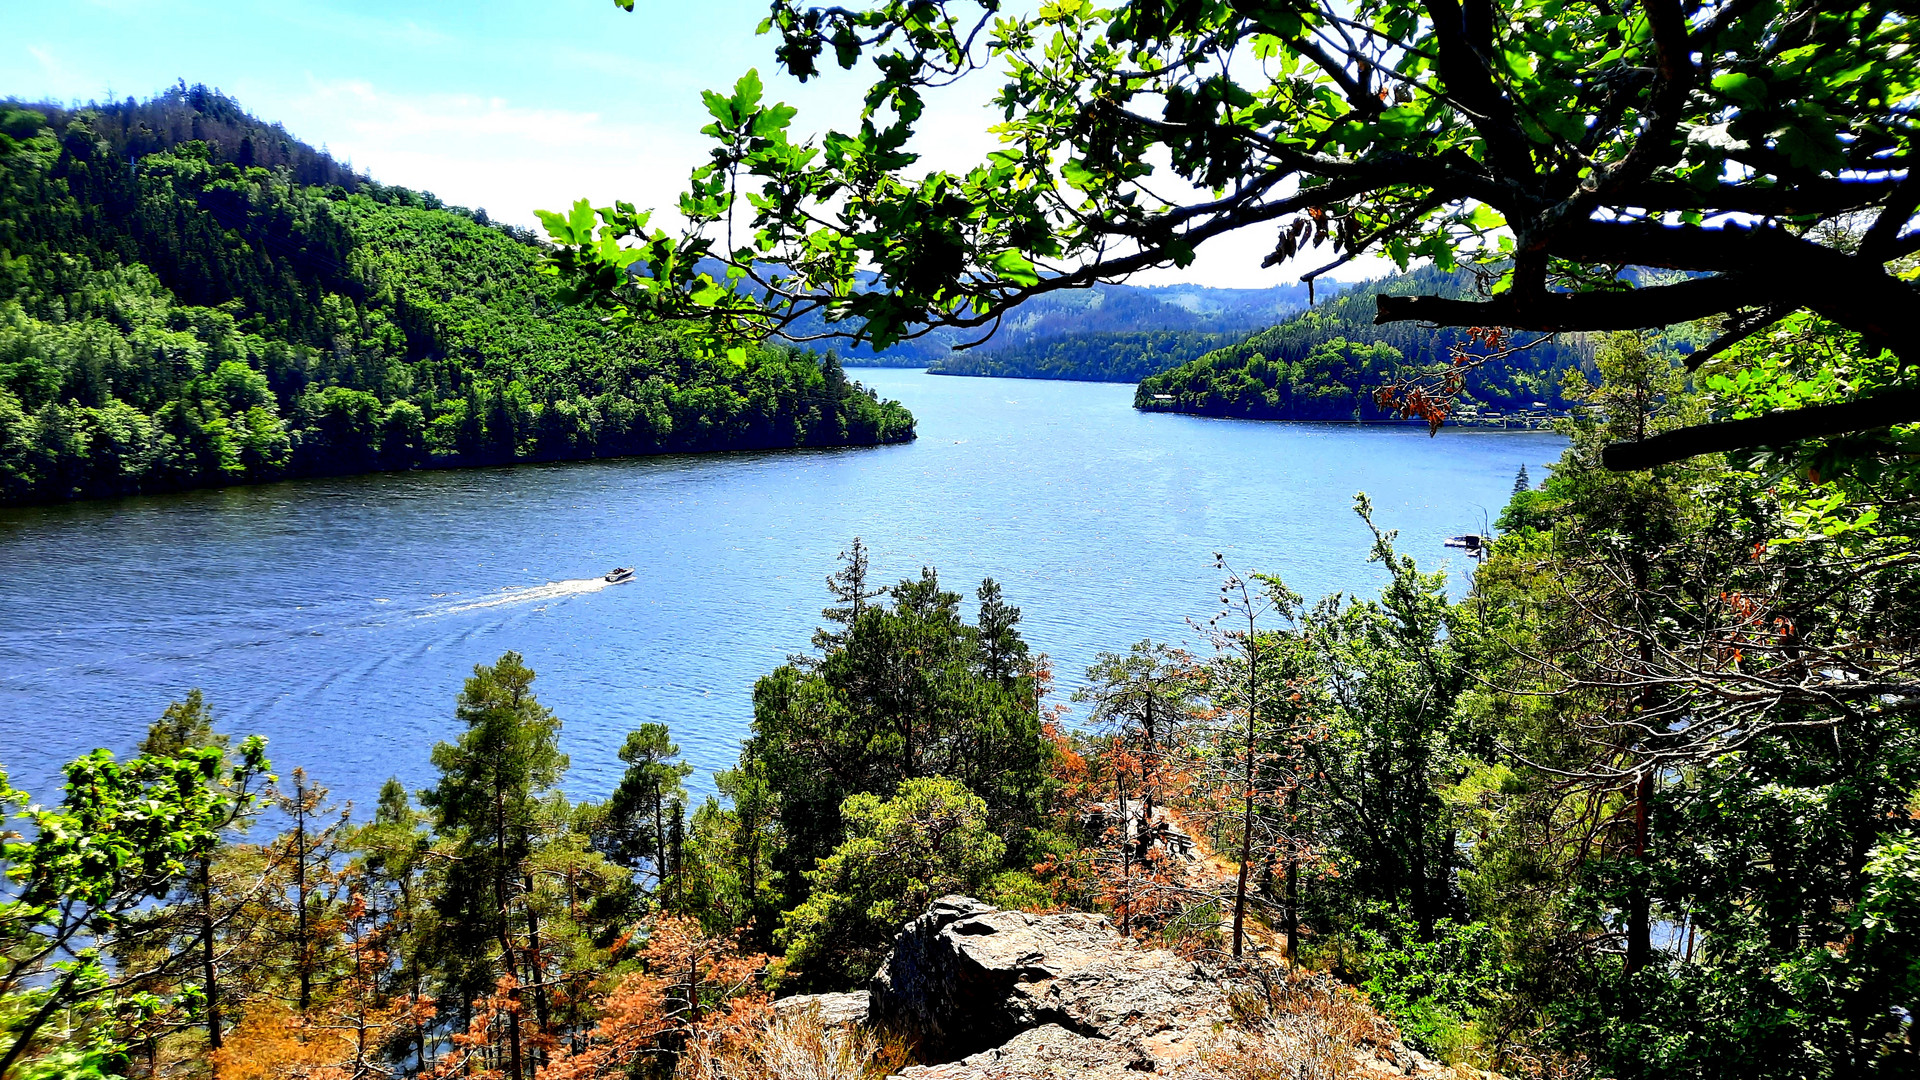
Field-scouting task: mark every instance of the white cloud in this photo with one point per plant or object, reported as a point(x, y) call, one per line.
point(47, 61)
point(480, 151)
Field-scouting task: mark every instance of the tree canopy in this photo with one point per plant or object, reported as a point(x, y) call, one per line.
point(1549, 143)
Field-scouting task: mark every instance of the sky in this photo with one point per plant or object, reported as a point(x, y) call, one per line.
point(510, 105)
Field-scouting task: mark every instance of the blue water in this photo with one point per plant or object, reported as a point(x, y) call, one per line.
point(338, 617)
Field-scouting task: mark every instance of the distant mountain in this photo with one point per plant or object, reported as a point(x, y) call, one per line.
point(1075, 313)
point(1327, 362)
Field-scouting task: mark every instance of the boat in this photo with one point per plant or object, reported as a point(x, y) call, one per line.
point(620, 574)
point(1471, 541)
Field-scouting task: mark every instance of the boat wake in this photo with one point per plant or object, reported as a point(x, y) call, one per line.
point(526, 594)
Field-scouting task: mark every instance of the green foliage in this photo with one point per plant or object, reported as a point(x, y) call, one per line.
point(1431, 983)
point(634, 828)
point(488, 806)
point(1389, 674)
point(1775, 826)
point(195, 320)
point(932, 838)
point(906, 690)
point(1552, 142)
point(1327, 363)
point(81, 879)
point(1090, 357)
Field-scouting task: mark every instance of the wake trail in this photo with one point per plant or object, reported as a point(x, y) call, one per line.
point(527, 594)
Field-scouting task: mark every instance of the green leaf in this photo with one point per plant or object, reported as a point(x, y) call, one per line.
point(746, 93)
point(1015, 267)
point(1745, 89)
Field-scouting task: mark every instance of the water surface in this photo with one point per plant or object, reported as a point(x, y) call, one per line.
point(338, 617)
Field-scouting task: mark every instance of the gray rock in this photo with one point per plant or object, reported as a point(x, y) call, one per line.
point(1049, 1052)
point(836, 1010)
point(967, 978)
point(1105, 821)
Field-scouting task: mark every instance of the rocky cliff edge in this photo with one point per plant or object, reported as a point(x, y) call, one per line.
point(990, 994)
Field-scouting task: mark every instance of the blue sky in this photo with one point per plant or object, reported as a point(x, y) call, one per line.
point(506, 104)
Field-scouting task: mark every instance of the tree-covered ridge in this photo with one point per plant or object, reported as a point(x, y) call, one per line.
point(1092, 357)
point(181, 319)
point(1328, 363)
point(182, 114)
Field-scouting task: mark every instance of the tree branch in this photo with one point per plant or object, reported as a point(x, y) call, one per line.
point(1554, 312)
point(1884, 409)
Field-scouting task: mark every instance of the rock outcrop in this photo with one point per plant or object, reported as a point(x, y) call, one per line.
point(834, 1010)
point(967, 978)
point(1157, 832)
point(988, 994)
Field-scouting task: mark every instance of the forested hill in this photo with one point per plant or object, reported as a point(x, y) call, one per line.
point(1090, 357)
point(1326, 363)
point(172, 316)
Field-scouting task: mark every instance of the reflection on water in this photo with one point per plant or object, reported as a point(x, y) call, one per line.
point(338, 617)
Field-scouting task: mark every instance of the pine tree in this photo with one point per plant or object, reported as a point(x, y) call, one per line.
point(487, 804)
point(390, 876)
point(308, 860)
point(1521, 481)
point(200, 911)
point(634, 828)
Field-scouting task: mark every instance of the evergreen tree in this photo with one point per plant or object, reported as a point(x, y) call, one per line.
point(201, 917)
point(486, 808)
point(637, 823)
point(908, 690)
point(393, 872)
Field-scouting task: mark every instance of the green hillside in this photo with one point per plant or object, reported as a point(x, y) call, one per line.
point(1326, 363)
point(190, 297)
point(1094, 357)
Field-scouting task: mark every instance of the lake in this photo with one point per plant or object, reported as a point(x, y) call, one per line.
point(338, 617)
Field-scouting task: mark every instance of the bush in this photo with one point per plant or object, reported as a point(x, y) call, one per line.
point(932, 838)
point(1432, 986)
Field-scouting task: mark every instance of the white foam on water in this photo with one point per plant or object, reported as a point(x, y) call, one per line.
point(527, 594)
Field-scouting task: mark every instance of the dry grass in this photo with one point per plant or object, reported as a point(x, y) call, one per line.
point(1290, 1026)
point(800, 1046)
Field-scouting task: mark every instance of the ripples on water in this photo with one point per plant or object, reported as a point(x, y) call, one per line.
point(338, 617)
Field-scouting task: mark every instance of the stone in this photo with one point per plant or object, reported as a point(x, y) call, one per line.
point(989, 994)
point(972, 982)
point(1161, 831)
point(836, 1010)
point(1048, 1052)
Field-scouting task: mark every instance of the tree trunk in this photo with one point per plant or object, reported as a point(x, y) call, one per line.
point(506, 940)
point(1293, 877)
point(676, 848)
point(659, 841)
point(1146, 764)
point(208, 967)
point(300, 890)
point(1639, 905)
point(536, 967)
point(1246, 816)
point(1126, 855)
